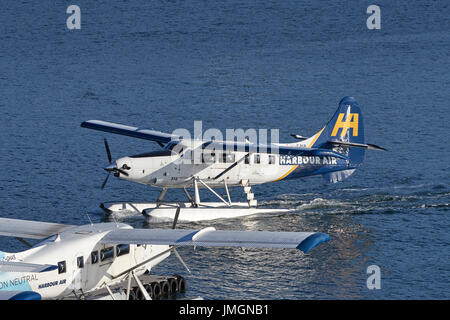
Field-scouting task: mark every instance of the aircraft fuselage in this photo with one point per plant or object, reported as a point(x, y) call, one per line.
point(84, 264)
point(176, 170)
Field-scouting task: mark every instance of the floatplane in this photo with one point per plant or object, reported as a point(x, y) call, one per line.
point(113, 260)
point(334, 152)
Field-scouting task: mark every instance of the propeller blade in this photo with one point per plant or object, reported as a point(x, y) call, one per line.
point(108, 152)
point(113, 168)
point(104, 182)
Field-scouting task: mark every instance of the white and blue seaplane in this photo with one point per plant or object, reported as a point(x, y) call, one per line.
point(81, 262)
point(334, 152)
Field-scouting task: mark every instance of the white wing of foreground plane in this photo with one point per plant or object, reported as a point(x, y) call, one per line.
point(210, 237)
point(124, 234)
point(30, 229)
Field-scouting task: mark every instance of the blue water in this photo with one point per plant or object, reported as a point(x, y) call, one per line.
point(241, 64)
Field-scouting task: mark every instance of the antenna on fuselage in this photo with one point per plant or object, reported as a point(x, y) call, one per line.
point(115, 221)
point(89, 218)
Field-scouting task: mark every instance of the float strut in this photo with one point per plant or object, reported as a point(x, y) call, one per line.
point(196, 193)
point(161, 196)
point(141, 287)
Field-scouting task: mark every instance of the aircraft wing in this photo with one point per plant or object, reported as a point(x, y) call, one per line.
point(14, 266)
point(135, 132)
point(30, 229)
point(210, 237)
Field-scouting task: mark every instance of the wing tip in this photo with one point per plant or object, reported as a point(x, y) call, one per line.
point(26, 295)
point(312, 241)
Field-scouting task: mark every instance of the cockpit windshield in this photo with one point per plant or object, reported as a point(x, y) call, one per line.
point(170, 145)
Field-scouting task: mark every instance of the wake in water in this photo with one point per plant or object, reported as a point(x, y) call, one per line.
point(359, 201)
point(352, 200)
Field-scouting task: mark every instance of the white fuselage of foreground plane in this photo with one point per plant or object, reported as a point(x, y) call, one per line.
point(84, 264)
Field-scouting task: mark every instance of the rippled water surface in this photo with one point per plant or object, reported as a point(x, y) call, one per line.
point(241, 64)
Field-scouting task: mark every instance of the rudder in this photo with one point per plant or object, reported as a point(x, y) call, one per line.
point(346, 126)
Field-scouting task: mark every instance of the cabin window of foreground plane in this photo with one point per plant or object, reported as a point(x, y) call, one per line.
point(257, 158)
point(247, 160)
point(122, 249)
point(94, 257)
point(80, 262)
point(107, 253)
point(62, 267)
point(271, 159)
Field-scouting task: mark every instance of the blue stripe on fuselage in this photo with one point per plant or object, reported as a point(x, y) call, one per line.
point(308, 169)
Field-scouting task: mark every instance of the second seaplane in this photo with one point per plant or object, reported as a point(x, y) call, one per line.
point(334, 152)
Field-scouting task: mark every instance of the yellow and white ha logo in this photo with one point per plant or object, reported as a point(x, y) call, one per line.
point(350, 123)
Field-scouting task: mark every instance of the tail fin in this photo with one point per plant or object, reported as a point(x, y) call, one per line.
point(344, 133)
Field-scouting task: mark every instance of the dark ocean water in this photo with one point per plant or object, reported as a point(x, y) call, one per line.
point(242, 64)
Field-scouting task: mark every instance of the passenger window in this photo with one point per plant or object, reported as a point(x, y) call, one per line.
point(257, 158)
point(80, 262)
point(230, 157)
point(62, 267)
point(94, 257)
point(122, 249)
point(208, 157)
point(107, 253)
point(271, 159)
point(247, 160)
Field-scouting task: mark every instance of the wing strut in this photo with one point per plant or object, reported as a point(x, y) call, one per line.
point(141, 264)
point(231, 167)
point(175, 220)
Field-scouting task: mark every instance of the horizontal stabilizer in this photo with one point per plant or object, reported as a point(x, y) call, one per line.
point(299, 137)
point(357, 145)
point(210, 237)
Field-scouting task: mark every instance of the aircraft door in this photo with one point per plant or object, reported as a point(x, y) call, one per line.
point(139, 253)
point(78, 271)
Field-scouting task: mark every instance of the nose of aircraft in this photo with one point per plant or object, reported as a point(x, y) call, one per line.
point(111, 168)
point(117, 170)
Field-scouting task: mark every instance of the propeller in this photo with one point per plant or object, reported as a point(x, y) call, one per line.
point(108, 152)
point(112, 167)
